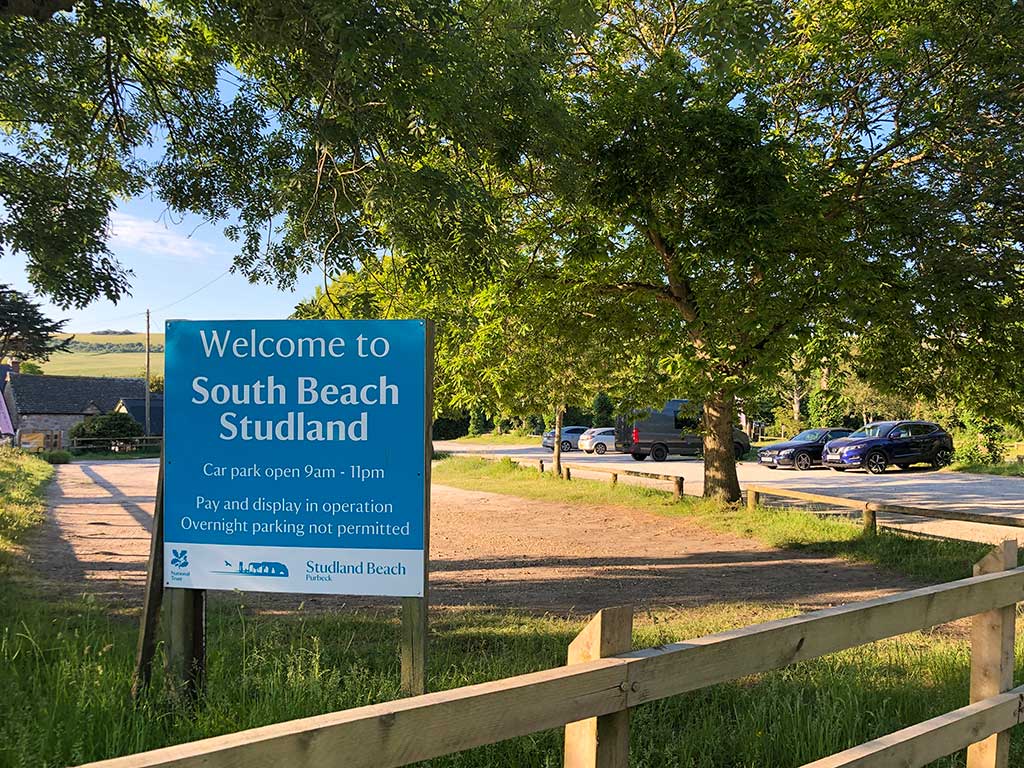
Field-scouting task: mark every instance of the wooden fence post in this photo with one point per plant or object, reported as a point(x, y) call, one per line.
point(870, 519)
point(567, 473)
point(753, 499)
point(615, 478)
point(146, 650)
point(601, 742)
point(540, 466)
point(992, 636)
point(186, 641)
point(678, 483)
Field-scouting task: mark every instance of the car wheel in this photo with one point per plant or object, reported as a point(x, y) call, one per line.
point(803, 461)
point(566, 446)
point(903, 466)
point(638, 456)
point(586, 451)
point(659, 452)
point(739, 450)
point(600, 449)
point(942, 458)
point(875, 463)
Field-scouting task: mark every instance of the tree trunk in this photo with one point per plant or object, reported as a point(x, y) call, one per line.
point(720, 480)
point(796, 405)
point(557, 448)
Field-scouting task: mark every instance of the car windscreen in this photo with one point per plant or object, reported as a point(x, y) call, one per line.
point(809, 436)
point(874, 430)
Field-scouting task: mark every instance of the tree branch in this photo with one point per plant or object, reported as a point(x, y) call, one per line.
point(40, 10)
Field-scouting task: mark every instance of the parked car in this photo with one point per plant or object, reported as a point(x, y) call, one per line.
point(672, 430)
point(598, 440)
point(803, 451)
point(877, 445)
point(570, 438)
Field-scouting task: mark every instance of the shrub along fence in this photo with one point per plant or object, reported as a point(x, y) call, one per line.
point(604, 679)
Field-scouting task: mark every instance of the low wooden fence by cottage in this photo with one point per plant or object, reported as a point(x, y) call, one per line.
point(604, 679)
point(117, 444)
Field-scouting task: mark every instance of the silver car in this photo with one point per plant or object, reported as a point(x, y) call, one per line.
point(570, 438)
point(598, 440)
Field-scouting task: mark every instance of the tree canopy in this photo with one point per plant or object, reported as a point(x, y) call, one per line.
point(753, 180)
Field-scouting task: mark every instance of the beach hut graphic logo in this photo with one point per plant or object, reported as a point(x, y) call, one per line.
point(254, 568)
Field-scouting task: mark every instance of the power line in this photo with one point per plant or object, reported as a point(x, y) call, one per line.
point(197, 290)
point(203, 287)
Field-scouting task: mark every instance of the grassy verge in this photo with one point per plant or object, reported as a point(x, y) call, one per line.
point(936, 560)
point(22, 479)
point(66, 669)
point(496, 439)
point(1006, 469)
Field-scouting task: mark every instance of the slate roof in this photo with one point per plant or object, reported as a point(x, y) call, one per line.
point(70, 394)
point(136, 408)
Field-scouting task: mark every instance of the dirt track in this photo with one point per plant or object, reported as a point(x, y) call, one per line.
point(486, 550)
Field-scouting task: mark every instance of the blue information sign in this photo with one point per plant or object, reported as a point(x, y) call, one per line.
point(294, 456)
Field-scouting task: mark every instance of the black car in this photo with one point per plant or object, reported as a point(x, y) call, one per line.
point(803, 451)
point(877, 445)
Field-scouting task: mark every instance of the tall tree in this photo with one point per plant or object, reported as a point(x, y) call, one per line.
point(751, 174)
point(737, 174)
point(25, 332)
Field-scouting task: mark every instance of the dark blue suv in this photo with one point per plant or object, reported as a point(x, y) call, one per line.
point(877, 445)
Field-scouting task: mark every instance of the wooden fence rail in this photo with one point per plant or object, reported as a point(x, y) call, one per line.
point(872, 508)
point(405, 731)
point(613, 472)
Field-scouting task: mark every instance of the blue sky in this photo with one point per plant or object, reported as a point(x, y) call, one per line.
point(171, 259)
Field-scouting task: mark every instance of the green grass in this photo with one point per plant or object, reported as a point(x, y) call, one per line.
point(22, 480)
point(933, 559)
point(65, 669)
point(108, 364)
point(496, 439)
point(1006, 468)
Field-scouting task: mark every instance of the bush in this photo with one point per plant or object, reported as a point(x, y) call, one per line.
point(111, 431)
point(446, 428)
point(56, 457)
point(982, 441)
point(478, 422)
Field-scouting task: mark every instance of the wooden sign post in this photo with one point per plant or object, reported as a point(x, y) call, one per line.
point(415, 624)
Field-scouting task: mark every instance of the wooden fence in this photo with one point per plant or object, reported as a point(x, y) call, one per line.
point(592, 695)
point(568, 466)
point(870, 509)
point(117, 443)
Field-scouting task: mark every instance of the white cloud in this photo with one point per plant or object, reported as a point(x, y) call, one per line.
point(154, 238)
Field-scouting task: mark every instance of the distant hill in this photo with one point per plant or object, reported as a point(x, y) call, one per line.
point(107, 353)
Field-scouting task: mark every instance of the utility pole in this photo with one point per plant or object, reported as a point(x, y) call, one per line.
point(147, 375)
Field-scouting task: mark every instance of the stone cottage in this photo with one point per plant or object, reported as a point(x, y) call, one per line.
point(52, 403)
